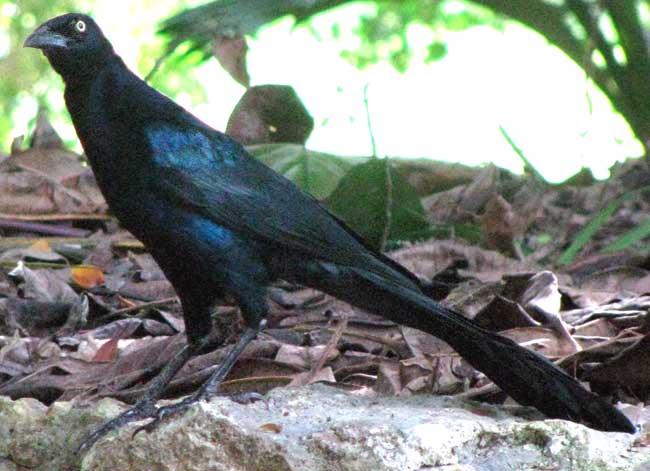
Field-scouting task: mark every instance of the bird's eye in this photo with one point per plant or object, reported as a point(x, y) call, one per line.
point(80, 26)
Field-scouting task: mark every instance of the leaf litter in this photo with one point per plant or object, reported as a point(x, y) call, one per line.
point(89, 316)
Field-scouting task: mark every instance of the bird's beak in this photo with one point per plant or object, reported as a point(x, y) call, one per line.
point(45, 38)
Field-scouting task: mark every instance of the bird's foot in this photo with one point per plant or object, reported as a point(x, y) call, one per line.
point(168, 411)
point(163, 413)
point(138, 412)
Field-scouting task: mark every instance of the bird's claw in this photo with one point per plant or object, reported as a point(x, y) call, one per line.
point(174, 409)
point(163, 413)
point(138, 412)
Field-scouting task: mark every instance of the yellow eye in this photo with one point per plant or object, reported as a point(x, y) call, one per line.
point(80, 26)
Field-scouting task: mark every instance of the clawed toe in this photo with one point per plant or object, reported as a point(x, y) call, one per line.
point(163, 413)
point(174, 409)
point(139, 412)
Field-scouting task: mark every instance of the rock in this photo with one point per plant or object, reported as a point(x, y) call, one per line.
point(315, 428)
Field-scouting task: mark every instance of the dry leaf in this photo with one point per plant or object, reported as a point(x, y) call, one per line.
point(44, 285)
point(628, 369)
point(87, 276)
point(270, 427)
point(303, 357)
point(501, 226)
point(41, 245)
point(324, 375)
point(231, 54)
point(270, 113)
point(107, 352)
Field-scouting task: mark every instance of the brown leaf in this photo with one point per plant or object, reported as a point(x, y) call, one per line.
point(501, 226)
point(628, 369)
point(157, 329)
point(231, 54)
point(30, 317)
point(107, 352)
point(542, 293)
point(360, 380)
point(58, 165)
point(597, 328)
point(420, 343)
point(543, 300)
point(324, 375)
point(428, 258)
point(249, 367)
point(587, 299)
point(618, 279)
point(148, 290)
point(270, 113)
point(429, 176)
point(352, 362)
point(303, 357)
point(44, 135)
point(260, 385)
point(471, 298)
point(549, 343)
point(463, 201)
point(593, 264)
point(175, 321)
point(51, 181)
point(270, 427)
point(502, 314)
point(113, 329)
point(388, 378)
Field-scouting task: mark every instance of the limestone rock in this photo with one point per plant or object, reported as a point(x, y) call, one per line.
point(315, 428)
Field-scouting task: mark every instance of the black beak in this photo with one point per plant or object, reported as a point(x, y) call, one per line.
point(44, 38)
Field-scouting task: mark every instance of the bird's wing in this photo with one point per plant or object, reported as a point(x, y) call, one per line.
point(214, 176)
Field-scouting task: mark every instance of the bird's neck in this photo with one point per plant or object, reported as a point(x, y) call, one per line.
point(82, 67)
point(86, 97)
point(105, 116)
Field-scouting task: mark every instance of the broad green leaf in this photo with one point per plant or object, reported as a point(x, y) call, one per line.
point(314, 172)
point(376, 201)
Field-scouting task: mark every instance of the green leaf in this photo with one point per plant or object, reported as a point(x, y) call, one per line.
point(596, 223)
point(378, 202)
point(314, 172)
point(436, 51)
point(626, 240)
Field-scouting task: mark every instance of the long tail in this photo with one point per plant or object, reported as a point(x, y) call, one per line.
point(526, 376)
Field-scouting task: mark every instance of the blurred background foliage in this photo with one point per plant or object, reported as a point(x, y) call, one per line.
point(28, 80)
point(22, 74)
point(607, 39)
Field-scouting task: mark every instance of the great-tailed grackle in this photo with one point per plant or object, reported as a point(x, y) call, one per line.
point(220, 222)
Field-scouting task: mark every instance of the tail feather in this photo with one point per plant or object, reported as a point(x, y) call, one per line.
point(526, 376)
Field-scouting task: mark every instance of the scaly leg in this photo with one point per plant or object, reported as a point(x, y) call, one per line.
point(210, 387)
point(146, 406)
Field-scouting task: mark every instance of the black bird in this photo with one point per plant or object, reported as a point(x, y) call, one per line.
point(219, 222)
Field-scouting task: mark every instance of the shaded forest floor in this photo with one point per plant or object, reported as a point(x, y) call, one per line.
point(85, 312)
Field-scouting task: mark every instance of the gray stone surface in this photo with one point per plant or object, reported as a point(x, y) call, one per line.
point(315, 428)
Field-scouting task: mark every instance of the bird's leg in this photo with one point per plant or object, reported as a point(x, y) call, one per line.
point(146, 406)
point(210, 387)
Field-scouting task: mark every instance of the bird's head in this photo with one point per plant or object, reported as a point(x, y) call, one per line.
point(73, 43)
